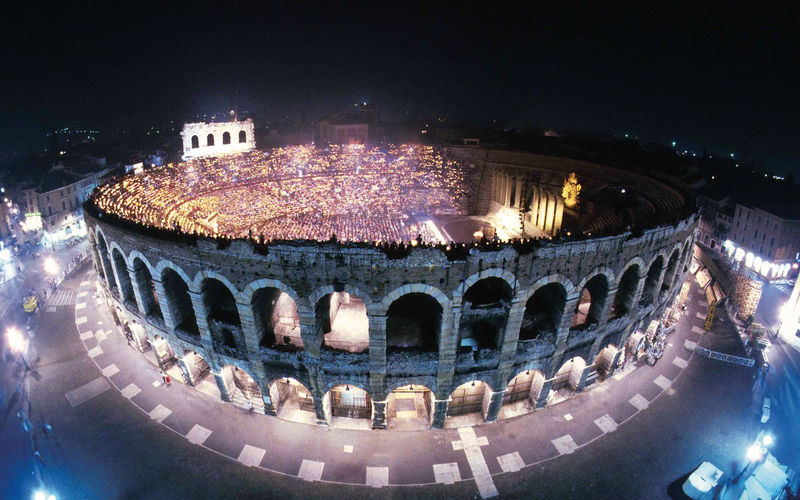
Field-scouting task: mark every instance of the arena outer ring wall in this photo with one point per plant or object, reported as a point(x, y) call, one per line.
point(309, 271)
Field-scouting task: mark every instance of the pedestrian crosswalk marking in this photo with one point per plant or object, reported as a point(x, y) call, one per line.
point(446, 473)
point(95, 351)
point(606, 423)
point(251, 455)
point(60, 298)
point(110, 370)
point(377, 477)
point(130, 391)
point(311, 470)
point(159, 413)
point(198, 434)
point(680, 362)
point(639, 402)
point(565, 444)
point(87, 391)
point(511, 462)
point(662, 382)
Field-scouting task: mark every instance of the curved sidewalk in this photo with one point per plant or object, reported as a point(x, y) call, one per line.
point(374, 458)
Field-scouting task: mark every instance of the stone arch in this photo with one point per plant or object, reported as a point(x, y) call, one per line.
point(105, 260)
point(627, 287)
point(291, 398)
point(177, 304)
point(466, 378)
point(320, 292)
point(226, 137)
point(524, 388)
point(634, 261)
point(592, 301)
point(195, 142)
point(243, 389)
point(210, 140)
point(415, 288)
point(347, 401)
point(275, 316)
point(219, 301)
point(569, 288)
point(486, 273)
point(409, 407)
point(651, 289)
point(485, 307)
point(607, 272)
point(672, 269)
point(428, 381)
point(469, 397)
point(120, 266)
point(544, 312)
point(204, 275)
point(144, 284)
point(242, 137)
point(569, 374)
point(414, 320)
point(348, 331)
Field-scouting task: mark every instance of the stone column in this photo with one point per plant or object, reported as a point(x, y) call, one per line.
point(584, 375)
point(136, 292)
point(605, 312)
point(620, 349)
point(223, 389)
point(166, 304)
point(312, 338)
point(659, 281)
point(378, 414)
point(377, 356)
point(319, 409)
point(544, 393)
point(495, 404)
point(201, 315)
point(185, 371)
point(439, 413)
point(563, 326)
point(448, 345)
point(252, 335)
point(508, 351)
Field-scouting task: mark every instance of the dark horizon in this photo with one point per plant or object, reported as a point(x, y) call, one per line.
point(725, 80)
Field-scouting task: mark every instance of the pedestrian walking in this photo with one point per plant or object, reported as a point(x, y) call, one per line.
point(167, 380)
point(164, 377)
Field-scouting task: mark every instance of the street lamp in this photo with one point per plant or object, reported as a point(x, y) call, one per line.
point(17, 342)
point(755, 453)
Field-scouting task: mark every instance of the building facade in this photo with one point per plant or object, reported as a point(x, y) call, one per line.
point(327, 331)
point(217, 138)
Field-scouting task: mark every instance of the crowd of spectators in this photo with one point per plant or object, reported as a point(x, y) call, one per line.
point(350, 193)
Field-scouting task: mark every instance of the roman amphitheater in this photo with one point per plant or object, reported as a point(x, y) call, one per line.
point(398, 287)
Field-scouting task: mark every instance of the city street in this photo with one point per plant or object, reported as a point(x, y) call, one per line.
point(177, 441)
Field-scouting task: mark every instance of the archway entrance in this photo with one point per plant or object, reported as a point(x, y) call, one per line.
point(626, 290)
point(414, 321)
point(243, 390)
point(349, 407)
point(342, 317)
point(467, 403)
point(604, 362)
point(409, 408)
point(179, 303)
point(484, 314)
point(591, 304)
point(543, 313)
point(567, 379)
point(522, 393)
point(276, 319)
point(199, 372)
point(292, 401)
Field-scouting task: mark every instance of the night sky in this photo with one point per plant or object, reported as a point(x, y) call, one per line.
point(725, 79)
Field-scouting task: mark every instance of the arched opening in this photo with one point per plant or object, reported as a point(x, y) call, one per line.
point(672, 267)
point(650, 290)
point(147, 289)
point(592, 301)
point(179, 302)
point(409, 408)
point(276, 319)
point(522, 393)
point(635, 347)
point(543, 313)
point(243, 390)
point(195, 142)
point(242, 137)
point(604, 361)
point(626, 292)
point(414, 321)
point(165, 356)
point(223, 316)
point(106, 263)
point(342, 318)
point(123, 278)
point(226, 138)
point(469, 400)
point(210, 140)
point(568, 377)
point(348, 406)
point(484, 314)
point(198, 372)
point(292, 401)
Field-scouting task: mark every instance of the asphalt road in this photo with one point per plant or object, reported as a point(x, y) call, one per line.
point(107, 448)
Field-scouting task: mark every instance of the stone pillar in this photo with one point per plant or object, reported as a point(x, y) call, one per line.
point(584, 375)
point(223, 389)
point(166, 304)
point(518, 194)
point(657, 293)
point(566, 319)
point(252, 335)
point(448, 345)
point(620, 350)
point(378, 414)
point(377, 357)
point(201, 316)
point(544, 393)
point(312, 339)
point(137, 293)
point(495, 404)
point(439, 413)
point(187, 377)
point(637, 296)
point(605, 312)
point(319, 409)
point(508, 351)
